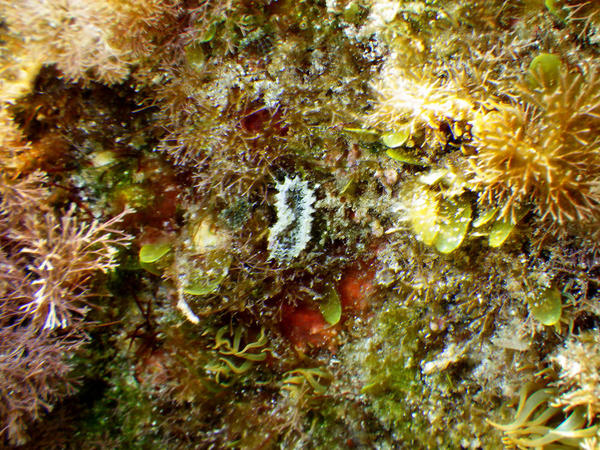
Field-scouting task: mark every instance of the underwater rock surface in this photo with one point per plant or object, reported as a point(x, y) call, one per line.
point(308, 224)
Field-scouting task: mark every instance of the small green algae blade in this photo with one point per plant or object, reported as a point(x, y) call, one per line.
point(545, 67)
point(368, 136)
point(208, 280)
point(404, 157)
point(349, 188)
point(484, 217)
point(352, 12)
point(204, 285)
point(500, 231)
point(394, 140)
point(200, 288)
point(452, 230)
point(151, 267)
point(209, 34)
point(423, 215)
point(195, 56)
point(150, 253)
point(555, 9)
point(331, 307)
point(546, 307)
point(433, 176)
point(551, 6)
point(103, 158)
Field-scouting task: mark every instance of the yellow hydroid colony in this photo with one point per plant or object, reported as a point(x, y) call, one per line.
point(546, 152)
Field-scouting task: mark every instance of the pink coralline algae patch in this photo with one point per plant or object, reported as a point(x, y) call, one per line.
point(305, 327)
point(356, 287)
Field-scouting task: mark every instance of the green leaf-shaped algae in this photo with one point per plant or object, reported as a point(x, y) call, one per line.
point(207, 281)
point(547, 306)
point(393, 140)
point(404, 157)
point(423, 215)
point(484, 217)
point(331, 307)
point(202, 288)
point(150, 253)
point(545, 68)
point(500, 232)
point(454, 227)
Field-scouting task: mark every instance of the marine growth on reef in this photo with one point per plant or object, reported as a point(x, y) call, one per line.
point(299, 224)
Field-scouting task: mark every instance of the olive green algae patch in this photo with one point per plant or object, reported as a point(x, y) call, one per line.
point(416, 409)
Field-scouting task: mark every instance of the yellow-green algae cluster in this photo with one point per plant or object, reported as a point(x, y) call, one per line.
point(445, 294)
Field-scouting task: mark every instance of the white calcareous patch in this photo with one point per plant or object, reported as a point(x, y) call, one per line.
point(291, 233)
